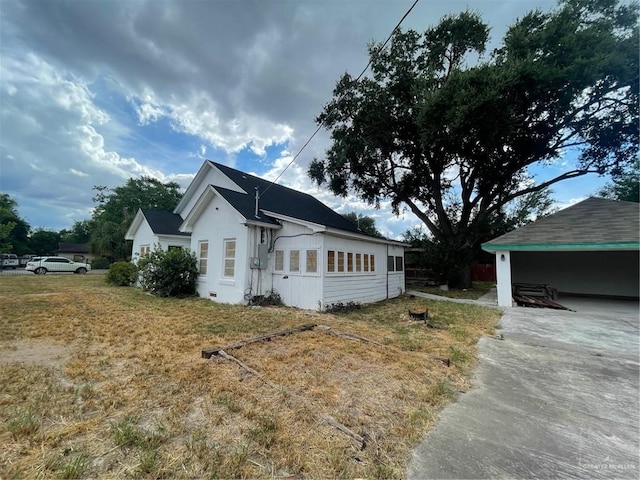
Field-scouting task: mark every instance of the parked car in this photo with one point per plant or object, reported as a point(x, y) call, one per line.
point(9, 260)
point(42, 265)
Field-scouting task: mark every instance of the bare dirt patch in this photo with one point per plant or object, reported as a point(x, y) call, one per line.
point(35, 352)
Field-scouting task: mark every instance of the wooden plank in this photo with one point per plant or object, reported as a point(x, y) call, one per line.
point(350, 336)
point(209, 352)
point(360, 441)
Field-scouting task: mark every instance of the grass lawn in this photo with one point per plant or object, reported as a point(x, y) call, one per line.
point(478, 289)
point(102, 381)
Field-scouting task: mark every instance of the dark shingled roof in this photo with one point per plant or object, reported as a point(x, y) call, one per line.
point(594, 222)
point(164, 223)
point(281, 200)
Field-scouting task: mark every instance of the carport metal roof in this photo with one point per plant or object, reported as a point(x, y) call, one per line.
point(593, 224)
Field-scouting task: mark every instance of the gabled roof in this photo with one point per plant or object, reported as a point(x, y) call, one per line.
point(163, 223)
point(281, 200)
point(160, 222)
point(593, 224)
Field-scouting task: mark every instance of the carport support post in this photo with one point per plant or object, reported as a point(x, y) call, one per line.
point(503, 275)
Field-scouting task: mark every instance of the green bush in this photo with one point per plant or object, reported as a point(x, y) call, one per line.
point(100, 263)
point(170, 273)
point(122, 274)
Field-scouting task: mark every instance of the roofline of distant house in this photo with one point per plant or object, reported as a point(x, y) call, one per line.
point(580, 246)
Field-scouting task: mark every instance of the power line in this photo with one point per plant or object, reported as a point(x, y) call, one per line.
point(384, 44)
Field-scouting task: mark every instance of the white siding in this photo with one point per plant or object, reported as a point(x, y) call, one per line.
point(396, 278)
point(216, 225)
point(588, 273)
point(362, 287)
point(299, 289)
point(143, 236)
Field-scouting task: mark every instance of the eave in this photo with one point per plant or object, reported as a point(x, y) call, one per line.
point(562, 247)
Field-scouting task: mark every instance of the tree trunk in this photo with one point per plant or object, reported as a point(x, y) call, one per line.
point(464, 276)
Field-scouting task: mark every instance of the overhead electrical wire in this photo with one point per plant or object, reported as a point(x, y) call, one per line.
point(384, 44)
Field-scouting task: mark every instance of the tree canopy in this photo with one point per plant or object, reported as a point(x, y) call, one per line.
point(450, 132)
point(116, 208)
point(14, 230)
point(364, 223)
point(625, 184)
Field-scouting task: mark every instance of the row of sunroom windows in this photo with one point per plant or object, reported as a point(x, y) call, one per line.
point(337, 261)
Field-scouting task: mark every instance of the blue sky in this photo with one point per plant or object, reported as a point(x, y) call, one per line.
point(94, 93)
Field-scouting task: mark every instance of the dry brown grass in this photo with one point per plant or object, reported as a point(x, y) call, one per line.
point(132, 397)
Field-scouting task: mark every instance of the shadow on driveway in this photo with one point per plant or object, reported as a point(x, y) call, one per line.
point(558, 397)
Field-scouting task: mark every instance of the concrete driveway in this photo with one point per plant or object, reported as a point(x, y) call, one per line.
point(559, 397)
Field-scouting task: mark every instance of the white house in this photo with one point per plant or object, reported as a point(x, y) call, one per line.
point(591, 248)
point(155, 227)
point(252, 236)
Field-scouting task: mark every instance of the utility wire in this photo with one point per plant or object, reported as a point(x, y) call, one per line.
point(295, 157)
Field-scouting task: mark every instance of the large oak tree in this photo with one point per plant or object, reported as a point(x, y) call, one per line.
point(450, 131)
point(116, 208)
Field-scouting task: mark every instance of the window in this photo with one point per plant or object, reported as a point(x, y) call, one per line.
point(294, 261)
point(349, 262)
point(279, 260)
point(331, 261)
point(312, 261)
point(390, 263)
point(78, 258)
point(365, 259)
point(144, 250)
point(399, 264)
point(203, 253)
point(358, 262)
point(174, 247)
point(229, 258)
point(341, 261)
point(372, 262)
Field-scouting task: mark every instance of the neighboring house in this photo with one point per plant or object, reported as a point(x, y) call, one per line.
point(591, 248)
point(155, 227)
point(252, 236)
point(78, 252)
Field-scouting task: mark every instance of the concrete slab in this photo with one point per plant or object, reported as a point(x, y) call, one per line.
point(558, 397)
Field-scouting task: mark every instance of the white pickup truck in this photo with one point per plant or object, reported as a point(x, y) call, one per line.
point(9, 260)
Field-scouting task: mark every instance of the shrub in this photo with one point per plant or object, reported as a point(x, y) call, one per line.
point(122, 274)
point(340, 307)
point(271, 298)
point(170, 273)
point(100, 263)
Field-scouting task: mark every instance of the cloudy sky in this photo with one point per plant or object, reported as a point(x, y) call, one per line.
point(95, 92)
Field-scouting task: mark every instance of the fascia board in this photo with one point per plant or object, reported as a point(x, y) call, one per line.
point(207, 195)
point(562, 247)
point(135, 224)
point(366, 238)
point(193, 186)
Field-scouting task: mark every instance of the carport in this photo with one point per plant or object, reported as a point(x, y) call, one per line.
point(591, 248)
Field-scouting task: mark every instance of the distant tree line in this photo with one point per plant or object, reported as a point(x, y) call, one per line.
point(103, 232)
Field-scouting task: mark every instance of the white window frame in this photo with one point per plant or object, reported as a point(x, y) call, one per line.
point(331, 263)
point(201, 258)
point(278, 253)
point(226, 258)
point(293, 268)
point(306, 263)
